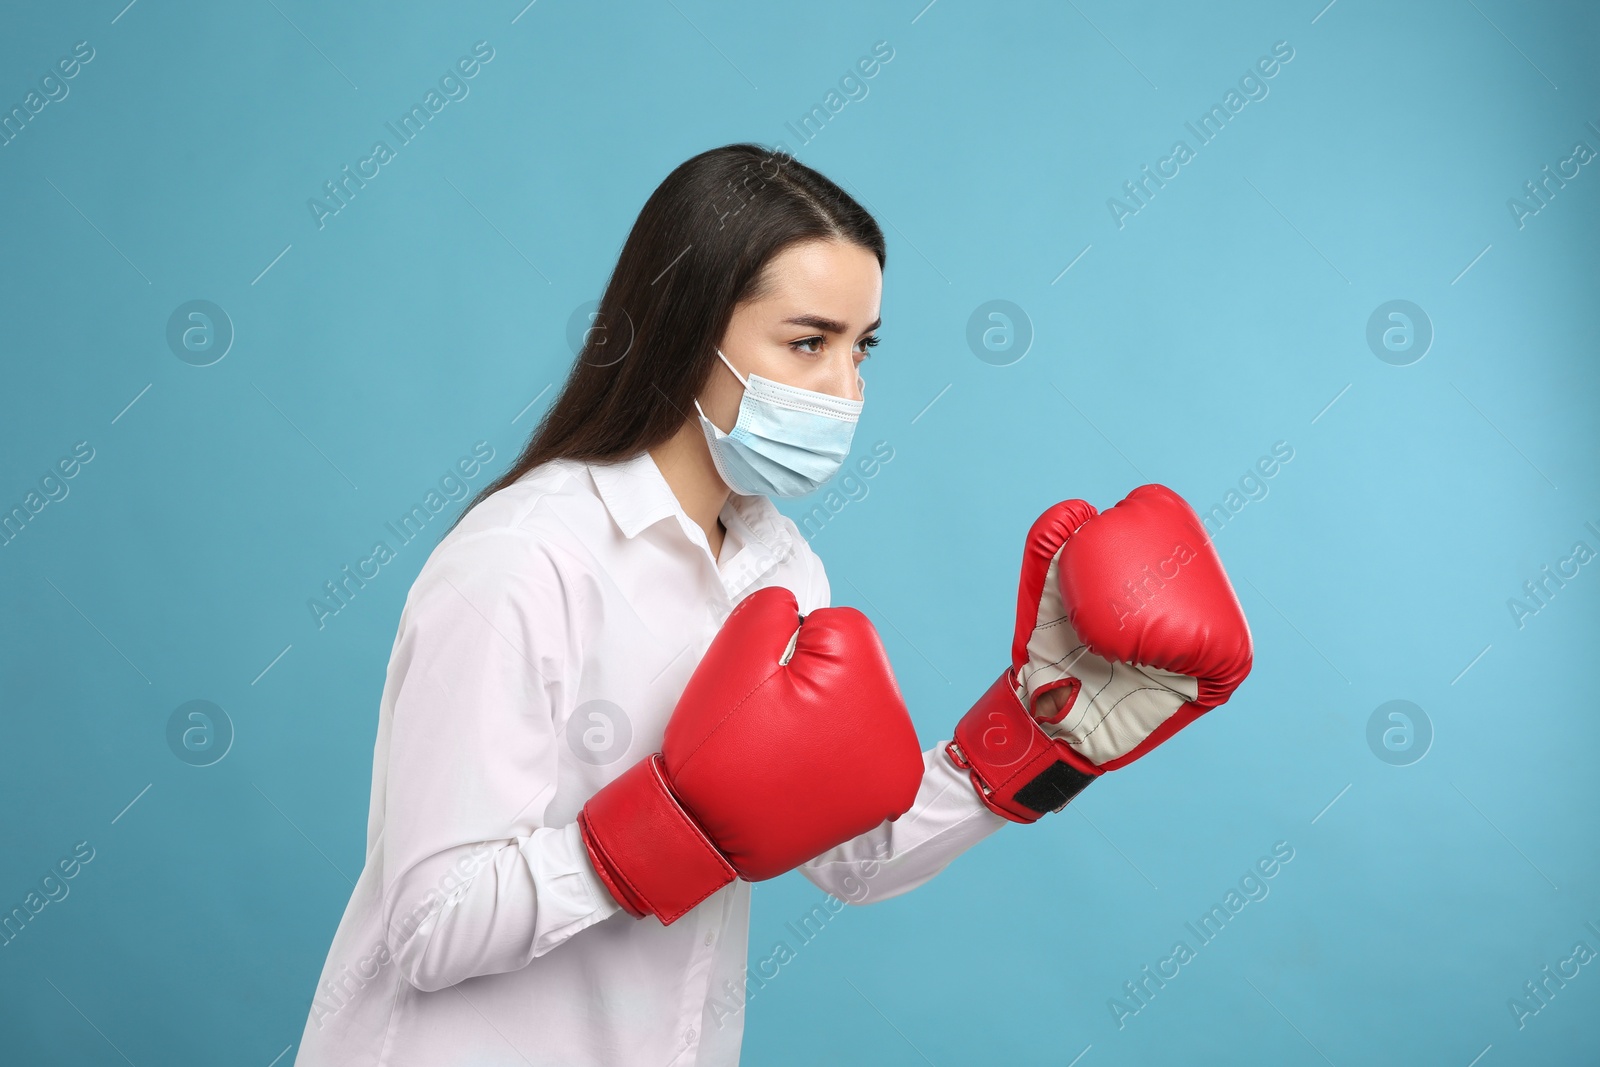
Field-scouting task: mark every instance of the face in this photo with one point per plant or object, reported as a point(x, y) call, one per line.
point(812, 330)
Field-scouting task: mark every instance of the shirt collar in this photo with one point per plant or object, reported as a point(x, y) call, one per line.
point(637, 495)
point(633, 491)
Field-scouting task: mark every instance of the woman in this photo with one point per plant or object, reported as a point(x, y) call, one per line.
point(546, 641)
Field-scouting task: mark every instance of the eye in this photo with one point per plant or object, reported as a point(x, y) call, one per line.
point(809, 344)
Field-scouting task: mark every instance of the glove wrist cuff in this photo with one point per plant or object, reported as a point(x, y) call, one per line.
point(651, 854)
point(1019, 771)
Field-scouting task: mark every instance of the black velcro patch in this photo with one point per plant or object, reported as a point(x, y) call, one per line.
point(1051, 789)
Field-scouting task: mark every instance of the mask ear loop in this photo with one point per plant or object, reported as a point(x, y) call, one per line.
point(742, 381)
point(861, 383)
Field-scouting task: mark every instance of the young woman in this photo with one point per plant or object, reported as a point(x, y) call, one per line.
point(545, 643)
point(541, 886)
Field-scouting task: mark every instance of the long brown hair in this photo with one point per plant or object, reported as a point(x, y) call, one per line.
point(696, 251)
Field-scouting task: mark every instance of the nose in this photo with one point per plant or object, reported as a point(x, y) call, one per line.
point(846, 382)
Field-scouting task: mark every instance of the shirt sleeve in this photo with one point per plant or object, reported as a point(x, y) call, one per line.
point(474, 881)
point(945, 820)
point(898, 855)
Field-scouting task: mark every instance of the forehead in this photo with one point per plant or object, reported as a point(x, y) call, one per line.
point(832, 278)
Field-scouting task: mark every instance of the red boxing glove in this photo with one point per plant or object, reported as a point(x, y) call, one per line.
point(790, 738)
point(1127, 631)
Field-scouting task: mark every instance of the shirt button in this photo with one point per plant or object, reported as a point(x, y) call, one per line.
point(709, 937)
point(688, 1036)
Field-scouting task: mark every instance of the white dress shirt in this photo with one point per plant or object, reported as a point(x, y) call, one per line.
point(540, 652)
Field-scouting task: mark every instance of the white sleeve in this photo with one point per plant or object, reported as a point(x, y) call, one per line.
point(474, 881)
point(945, 820)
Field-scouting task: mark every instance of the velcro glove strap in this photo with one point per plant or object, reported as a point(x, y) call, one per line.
point(651, 854)
point(1019, 771)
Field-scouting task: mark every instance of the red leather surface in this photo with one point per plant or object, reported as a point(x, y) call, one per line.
point(1189, 621)
point(1000, 745)
point(1142, 584)
point(781, 762)
point(1045, 536)
point(650, 852)
point(1139, 584)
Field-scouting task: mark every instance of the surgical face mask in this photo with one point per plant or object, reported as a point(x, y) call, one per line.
point(787, 440)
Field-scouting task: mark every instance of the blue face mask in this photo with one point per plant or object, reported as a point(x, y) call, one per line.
point(787, 440)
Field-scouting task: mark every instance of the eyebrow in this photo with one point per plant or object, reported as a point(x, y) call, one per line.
point(827, 325)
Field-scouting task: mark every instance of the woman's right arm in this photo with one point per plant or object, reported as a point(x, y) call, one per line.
point(474, 881)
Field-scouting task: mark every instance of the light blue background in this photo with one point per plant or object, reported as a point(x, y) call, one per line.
point(1224, 317)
